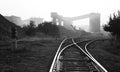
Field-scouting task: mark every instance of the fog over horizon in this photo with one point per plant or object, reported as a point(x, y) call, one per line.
point(67, 8)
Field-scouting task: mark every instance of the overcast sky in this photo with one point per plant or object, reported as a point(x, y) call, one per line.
point(69, 8)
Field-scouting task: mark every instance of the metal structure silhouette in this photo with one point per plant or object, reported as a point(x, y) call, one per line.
point(94, 21)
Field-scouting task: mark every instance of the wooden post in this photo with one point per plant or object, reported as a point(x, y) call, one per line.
point(14, 37)
point(15, 43)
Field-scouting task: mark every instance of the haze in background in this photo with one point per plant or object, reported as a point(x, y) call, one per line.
point(68, 8)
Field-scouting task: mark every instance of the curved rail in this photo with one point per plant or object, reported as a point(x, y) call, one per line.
point(101, 67)
point(51, 68)
point(58, 53)
point(81, 48)
point(90, 56)
point(68, 46)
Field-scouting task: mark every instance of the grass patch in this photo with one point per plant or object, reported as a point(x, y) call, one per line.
point(30, 56)
point(107, 52)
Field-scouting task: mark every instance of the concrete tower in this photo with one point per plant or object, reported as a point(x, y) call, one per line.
point(94, 22)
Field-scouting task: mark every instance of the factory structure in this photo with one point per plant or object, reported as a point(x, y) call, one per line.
point(18, 21)
point(67, 22)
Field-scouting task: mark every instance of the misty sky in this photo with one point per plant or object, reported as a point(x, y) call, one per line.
point(69, 8)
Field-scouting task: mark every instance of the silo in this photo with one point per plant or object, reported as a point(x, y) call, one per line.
point(94, 22)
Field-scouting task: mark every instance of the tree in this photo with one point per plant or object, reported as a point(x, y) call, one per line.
point(113, 26)
point(40, 27)
point(49, 28)
point(32, 24)
point(30, 29)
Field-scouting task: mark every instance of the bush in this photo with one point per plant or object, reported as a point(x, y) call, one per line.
point(113, 26)
point(30, 30)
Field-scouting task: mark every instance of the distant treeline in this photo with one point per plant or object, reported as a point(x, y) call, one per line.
point(7, 29)
point(47, 28)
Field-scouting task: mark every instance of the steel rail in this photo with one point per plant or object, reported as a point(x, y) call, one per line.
point(90, 56)
point(51, 68)
point(101, 67)
point(81, 48)
point(59, 52)
point(67, 47)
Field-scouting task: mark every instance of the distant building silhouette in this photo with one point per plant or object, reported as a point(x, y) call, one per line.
point(14, 19)
point(36, 20)
point(94, 21)
point(18, 21)
point(63, 21)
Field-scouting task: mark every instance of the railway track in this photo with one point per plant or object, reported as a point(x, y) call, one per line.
point(73, 56)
